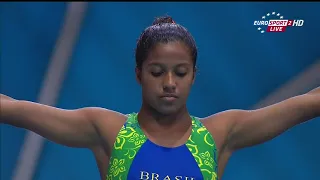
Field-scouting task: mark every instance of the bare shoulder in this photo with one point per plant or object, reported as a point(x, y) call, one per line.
point(222, 119)
point(220, 124)
point(105, 117)
point(106, 122)
point(99, 112)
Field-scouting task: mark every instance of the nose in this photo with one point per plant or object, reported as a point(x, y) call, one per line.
point(169, 83)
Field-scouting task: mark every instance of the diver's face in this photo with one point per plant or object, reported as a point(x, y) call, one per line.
point(166, 77)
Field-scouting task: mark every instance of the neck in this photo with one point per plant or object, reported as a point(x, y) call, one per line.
point(166, 130)
point(152, 116)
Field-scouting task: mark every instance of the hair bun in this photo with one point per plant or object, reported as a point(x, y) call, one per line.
point(163, 20)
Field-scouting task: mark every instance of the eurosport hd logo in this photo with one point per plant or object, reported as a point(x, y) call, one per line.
point(275, 22)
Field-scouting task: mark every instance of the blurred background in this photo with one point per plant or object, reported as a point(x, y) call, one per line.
point(239, 67)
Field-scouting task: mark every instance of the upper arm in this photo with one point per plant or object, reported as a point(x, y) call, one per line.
point(76, 128)
point(248, 128)
point(102, 160)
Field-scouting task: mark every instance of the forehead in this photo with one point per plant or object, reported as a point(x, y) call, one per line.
point(173, 52)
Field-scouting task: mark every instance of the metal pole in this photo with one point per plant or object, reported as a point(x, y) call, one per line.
point(33, 144)
point(305, 81)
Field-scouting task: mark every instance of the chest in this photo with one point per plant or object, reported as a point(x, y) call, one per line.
point(154, 162)
point(136, 157)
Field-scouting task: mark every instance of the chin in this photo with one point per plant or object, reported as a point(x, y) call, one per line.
point(168, 110)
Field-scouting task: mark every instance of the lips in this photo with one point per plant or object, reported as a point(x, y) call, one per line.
point(169, 97)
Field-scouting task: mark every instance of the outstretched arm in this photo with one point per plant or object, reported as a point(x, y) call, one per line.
point(75, 128)
point(249, 128)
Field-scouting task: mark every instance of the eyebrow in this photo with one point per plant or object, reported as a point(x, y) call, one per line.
point(155, 64)
point(161, 65)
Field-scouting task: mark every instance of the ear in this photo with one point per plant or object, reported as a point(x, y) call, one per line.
point(138, 75)
point(194, 75)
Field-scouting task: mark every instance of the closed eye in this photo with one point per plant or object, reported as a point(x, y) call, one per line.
point(180, 74)
point(157, 74)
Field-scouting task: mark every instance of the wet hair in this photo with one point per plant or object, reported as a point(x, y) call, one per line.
point(163, 30)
